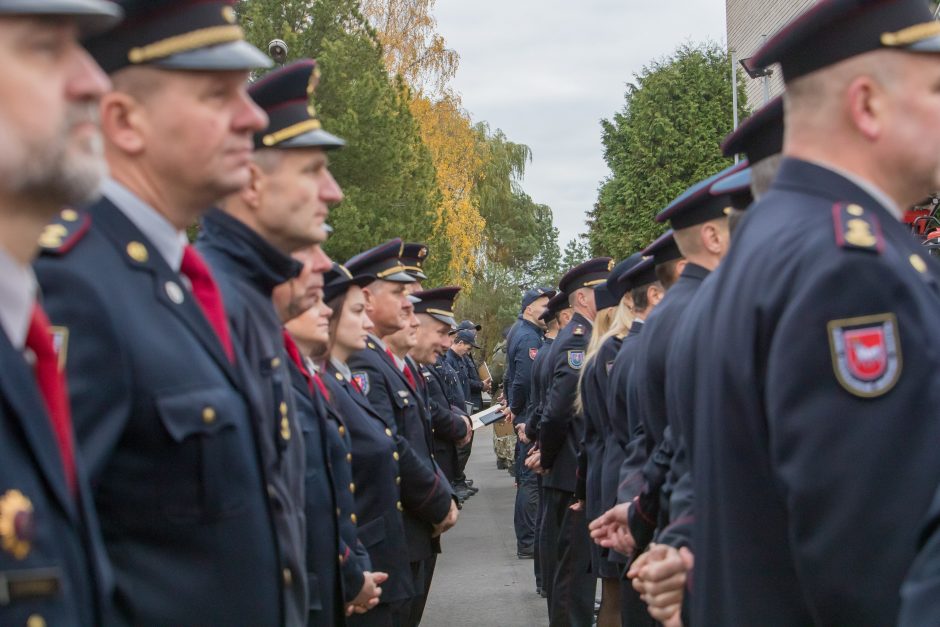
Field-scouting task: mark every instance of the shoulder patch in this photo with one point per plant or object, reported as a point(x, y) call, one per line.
point(578, 330)
point(361, 380)
point(533, 352)
point(856, 228)
point(866, 354)
point(61, 235)
point(576, 359)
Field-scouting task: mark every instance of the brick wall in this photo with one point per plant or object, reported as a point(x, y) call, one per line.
point(747, 22)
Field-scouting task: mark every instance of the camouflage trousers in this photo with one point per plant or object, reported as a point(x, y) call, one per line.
point(505, 447)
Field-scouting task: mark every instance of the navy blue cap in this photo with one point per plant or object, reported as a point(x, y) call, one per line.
point(613, 281)
point(835, 30)
point(413, 257)
point(469, 324)
point(286, 96)
point(91, 16)
point(664, 249)
point(338, 279)
point(588, 274)
point(532, 295)
point(639, 275)
point(603, 298)
point(696, 205)
point(468, 336)
point(556, 304)
point(177, 35)
point(760, 136)
point(737, 187)
point(438, 303)
point(383, 262)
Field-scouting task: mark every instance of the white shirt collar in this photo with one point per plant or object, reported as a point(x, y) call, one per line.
point(341, 368)
point(18, 297)
point(165, 237)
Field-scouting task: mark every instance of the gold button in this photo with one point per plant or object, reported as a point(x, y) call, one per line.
point(271, 492)
point(349, 457)
point(339, 377)
point(137, 252)
point(352, 488)
point(35, 621)
point(283, 408)
point(338, 512)
point(341, 560)
point(397, 480)
point(919, 264)
point(342, 430)
point(288, 577)
point(285, 428)
point(352, 517)
point(395, 456)
point(276, 362)
point(388, 432)
point(854, 210)
point(208, 415)
point(398, 505)
point(69, 215)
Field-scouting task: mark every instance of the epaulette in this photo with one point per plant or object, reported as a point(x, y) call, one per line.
point(857, 229)
point(61, 235)
point(578, 330)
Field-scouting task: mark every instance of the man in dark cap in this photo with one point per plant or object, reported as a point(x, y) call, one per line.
point(167, 423)
point(413, 256)
point(248, 244)
point(464, 342)
point(800, 378)
point(53, 562)
point(525, 345)
point(391, 387)
point(571, 595)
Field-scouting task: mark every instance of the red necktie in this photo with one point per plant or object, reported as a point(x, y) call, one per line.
point(406, 371)
point(208, 296)
point(51, 384)
point(294, 353)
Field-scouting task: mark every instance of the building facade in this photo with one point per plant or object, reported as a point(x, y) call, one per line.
point(749, 22)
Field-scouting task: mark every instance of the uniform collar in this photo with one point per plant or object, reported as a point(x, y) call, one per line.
point(869, 188)
point(166, 238)
point(18, 295)
point(250, 255)
point(539, 329)
point(341, 368)
point(695, 271)
point(827, 182)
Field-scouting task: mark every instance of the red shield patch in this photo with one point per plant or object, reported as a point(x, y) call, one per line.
point(866, 354)
point(533, 352)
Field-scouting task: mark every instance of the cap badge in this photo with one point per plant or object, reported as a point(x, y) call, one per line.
point(866, 354)
point(610, 265)
point(17, 527)
point(422, 253)
point(228, 14)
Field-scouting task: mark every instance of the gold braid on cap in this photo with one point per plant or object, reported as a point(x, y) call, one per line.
point(183, 43)
point(910, 35)
point(290, 132)
point(439, 312)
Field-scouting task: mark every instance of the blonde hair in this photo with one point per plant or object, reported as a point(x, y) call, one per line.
point(609, 322)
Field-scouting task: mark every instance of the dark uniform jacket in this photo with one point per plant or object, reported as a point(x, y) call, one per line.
point(426, 493)
point(377, 468)
point(328, 489)
point(815, 444)
point(52, 561)
point(520, 355)
point(541, 377)
point(561, 427)
point(448, 426)
point(459, 366)
point(474, 383)
point(166, 429)
point(247, 270)
point(649, 379)
point(920, 595)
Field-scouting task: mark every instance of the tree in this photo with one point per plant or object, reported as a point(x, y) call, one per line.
point(576, 252)
point(665, 139)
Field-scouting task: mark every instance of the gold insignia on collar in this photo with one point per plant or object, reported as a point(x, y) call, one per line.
point(339, 377)
point(69, 215)
point(370, 345)
point(854, 210)
point(138, 252)
point(919, 264)
point(859, 232)
point(52, 235)
point(579, 330)
point(16, 524)
point(228, 14)
point(285, 429)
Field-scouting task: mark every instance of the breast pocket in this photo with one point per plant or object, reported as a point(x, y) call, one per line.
point(208, 428)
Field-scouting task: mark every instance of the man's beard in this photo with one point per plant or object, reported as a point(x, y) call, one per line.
point(66, 170)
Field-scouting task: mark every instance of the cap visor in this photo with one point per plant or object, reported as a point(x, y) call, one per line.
point(445, 319)
point(399, 277)
point(92, 16)
point(737, 182)
point(314, 139)
point(235, 55)
point(931, 44)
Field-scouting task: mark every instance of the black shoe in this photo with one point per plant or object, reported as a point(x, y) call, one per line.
point(469, 482)
point(500, 463)
point(544, 593)
point(472, 490)
point(526, 555)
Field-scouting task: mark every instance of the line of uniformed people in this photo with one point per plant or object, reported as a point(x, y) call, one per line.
point(236, 432)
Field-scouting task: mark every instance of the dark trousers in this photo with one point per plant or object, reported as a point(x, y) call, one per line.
point(382, 615)
point(463, 455)
point(423, 572)
point(632, 608)
point(539, 516)
point(571, 598)
point(527, 501)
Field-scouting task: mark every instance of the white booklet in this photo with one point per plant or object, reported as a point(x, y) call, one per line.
point(487, 417)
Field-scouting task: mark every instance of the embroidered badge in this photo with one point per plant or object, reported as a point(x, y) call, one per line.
point(533, 352)
point(17, 527)
point(866, 354)
point(576, 359)
point(361, 381)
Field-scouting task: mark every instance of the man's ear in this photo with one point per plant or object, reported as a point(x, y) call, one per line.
point(124, 122)
point(253, 193)
point(865, 101)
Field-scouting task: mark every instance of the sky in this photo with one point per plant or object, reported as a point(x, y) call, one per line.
point(546, 72)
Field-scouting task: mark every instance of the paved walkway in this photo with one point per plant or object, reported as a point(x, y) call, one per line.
point(479, 581)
